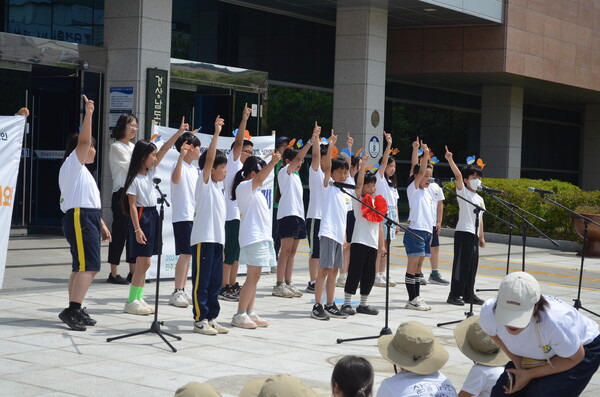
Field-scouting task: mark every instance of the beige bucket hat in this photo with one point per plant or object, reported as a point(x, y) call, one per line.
point(474, 343)
point(277, 386)
point(197, 389)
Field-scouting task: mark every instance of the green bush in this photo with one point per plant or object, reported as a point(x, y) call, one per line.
point(558, 223)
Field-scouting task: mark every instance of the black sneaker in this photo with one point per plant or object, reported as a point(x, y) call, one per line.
point(476, 300)
point(72, 319)
point(85, 317)
point(236, 289)
point(129, 277)
point(116, 279)
point(366, 309)
point(333, 311)
point(310, 288)
point(318, 312)
point(423, 281)
point(226, 294)
point(347, 309)
point(453, 300)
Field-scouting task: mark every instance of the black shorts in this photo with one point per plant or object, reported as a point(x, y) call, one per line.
point(232, 241)
point(312, 230)
point(148, 218)
point(292, 227)
point(81, 227)
point(350, 221)
point(435, 240)
point(182, 232)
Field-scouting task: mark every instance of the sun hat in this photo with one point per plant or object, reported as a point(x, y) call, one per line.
point(277, 386)
point(280, 140)
point(517, 296)
point(474, 343)
point(196, 389)
point(413, 348)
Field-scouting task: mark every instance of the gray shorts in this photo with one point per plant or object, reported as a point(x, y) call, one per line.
point(331, 254)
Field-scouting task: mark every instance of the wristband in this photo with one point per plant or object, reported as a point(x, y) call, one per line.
point(135, 231)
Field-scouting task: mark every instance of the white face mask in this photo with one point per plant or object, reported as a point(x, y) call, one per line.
point(474, 183)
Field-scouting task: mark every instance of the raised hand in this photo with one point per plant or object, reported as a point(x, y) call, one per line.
point(23, 112)
point(317, 129)
point(219, 123)
point(416, 143)
point(332, 138)
point(275, 157)
point(349, 142)
point(246, 112)
point(425, 149)
point(89, 105)
point(388, 138)
point(448, 154)
point(185, 148)
point(184, 126)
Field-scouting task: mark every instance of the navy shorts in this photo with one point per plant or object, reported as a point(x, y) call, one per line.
point(435, 240)
point(232, 241)
point(182, 232)
point(148, 218)
point(350, 221)
point(81, 227)
point(292, 227)
point(416, 247)
point(312, 230)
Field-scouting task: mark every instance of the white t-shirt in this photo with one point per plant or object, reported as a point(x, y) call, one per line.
point(408, 384)
point(390, 194)
point(317, 192)
point(466, 216)
point(78, 188)
point(119, 158)
point(143, 189)
point(209, 218)
point(255, 223)
point(350, 181)
point(437, 194)
point(290, 203)
point(182, 193)
point(333, 221)
point(481, 380)
point(420, 202)
point(562, 329)
point(365, 232)
point(233, 167)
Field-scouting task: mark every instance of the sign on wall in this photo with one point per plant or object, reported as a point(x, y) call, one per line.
point(156, 98)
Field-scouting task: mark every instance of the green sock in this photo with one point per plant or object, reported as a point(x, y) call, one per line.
point(279, 283)
point(140, 293)
point(133, 293)
point(434, 272)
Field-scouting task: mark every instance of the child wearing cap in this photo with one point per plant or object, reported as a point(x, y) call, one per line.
point(420, 356)
point(489, 360)
point(554, 349)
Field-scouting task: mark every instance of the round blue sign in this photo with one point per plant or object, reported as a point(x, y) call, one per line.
point(374, 147)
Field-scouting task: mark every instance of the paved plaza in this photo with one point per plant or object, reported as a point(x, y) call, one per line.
point(40, 356)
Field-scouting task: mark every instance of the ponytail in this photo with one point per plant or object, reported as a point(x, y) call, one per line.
point(252, 163)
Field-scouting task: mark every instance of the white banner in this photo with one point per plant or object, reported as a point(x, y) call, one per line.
point(11, 139)
point(263, 146)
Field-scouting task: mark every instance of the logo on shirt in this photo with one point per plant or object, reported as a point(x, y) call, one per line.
point(546, 348)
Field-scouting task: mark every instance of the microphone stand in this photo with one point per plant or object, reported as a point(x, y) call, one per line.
point(388, 224)
point(155, 327)
point(476, 209)
point(586, 221)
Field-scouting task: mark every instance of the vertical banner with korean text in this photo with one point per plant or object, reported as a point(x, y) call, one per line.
point(11, 139)
point(263, 146)
point(156, 97)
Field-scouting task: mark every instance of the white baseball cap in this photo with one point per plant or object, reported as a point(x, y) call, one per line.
point(517, 296)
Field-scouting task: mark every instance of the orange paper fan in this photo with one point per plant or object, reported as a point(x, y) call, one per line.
point(480, 163)
point(334, 152)
point(291, 144)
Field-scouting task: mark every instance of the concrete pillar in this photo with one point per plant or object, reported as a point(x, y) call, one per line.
point(590, 148)
point(501, 131)
point(359, 81)
point(137, 36)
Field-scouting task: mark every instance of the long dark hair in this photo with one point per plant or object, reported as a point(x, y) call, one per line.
point(119, 131)
point(252, 163)
point(141, 151)
point(354, 376)
point(393, 181)
point(72, 141)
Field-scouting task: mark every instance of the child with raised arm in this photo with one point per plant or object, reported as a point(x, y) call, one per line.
point(466, 243)
point(241, 149)
point(183, 186)
point(255, 234)
point(208, 238)
point(354, 164)
point(387, 187)
point(315, 207)
point(367, 237)
point(139, 201)
point(332, 234)
point(290, 217)
point(437, 193)
point(82, 225)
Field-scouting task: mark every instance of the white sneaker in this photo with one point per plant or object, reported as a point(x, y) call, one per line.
point(178, 299)
point(379, 281)
point(296, 293)
point(243, 321)
point(423, 303)
point(204, 328)
point(282, 291)
point(188, 297)
point(260, 322)
point(151, 308)
point(392, 283)
point(220, 329)
point(415, 304)
point(136, 307)
point(341, 281)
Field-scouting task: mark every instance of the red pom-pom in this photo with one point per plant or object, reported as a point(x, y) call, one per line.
point(368, 213)
point(381, 205)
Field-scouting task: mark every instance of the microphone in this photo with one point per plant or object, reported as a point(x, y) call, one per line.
point(156, 180)
point(440, 180)
point(485, 189)
point(341, 185)
point(540, 191)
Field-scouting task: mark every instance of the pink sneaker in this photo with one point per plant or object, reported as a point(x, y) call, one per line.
point(258, 320)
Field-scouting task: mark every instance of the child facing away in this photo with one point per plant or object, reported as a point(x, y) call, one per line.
point(256, 242)
point(332, 234)
point(82, 225)
point(466, 243)
point(352, 376)
point(366, 239)
point(139, 201)
point(183, 186)
point(208, 238)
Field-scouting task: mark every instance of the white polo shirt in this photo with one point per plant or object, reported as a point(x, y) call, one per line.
point(255, 223)
point(209, 219)
point(290, 203)
point(466, 216)
point(317, 192)
point(420, 202)
point(143, 189)
point(333, 221)
point(182, 193)
point(78, 188)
